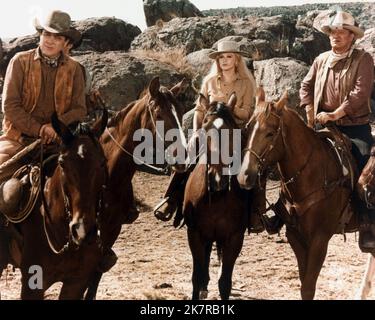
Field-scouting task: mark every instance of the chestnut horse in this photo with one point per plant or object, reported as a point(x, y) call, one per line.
point(59, 241)
point(157, 104)
point(214, 206)
point(313, 183)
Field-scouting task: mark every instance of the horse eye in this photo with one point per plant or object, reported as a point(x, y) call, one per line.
point(269, 135)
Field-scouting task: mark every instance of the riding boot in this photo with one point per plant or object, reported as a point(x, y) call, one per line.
point(257, 207)
point(173, 197)
point(367, 230)
point(274, 223)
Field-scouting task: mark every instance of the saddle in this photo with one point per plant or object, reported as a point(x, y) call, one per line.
point(342, 146)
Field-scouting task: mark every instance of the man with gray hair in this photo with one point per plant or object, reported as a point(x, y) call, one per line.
point(337, 89)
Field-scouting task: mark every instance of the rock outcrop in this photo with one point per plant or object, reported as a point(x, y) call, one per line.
point(166, 10)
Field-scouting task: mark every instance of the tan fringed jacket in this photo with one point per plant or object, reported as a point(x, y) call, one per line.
point(22, 102)
point(348, 84)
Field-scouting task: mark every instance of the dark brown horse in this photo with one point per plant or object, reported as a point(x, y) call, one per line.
point(59, 241)
point(157, 104)
point(366, 181)
point(214, 206)
point(312, 183)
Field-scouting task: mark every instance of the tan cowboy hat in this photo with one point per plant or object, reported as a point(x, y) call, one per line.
point(58, 22)
point(343, 20)
point(226, 46)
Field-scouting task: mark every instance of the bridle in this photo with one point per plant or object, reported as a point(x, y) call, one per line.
point(262, 158)
point(67, 206)
point(149, 106)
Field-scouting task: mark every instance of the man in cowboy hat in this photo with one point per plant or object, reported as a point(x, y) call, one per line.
point(39, 82)
point(337, 89)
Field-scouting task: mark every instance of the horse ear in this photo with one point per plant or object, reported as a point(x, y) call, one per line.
point(232, 100)
point(61, 129)
point(260, 96)
point(283, 100)
point(154, 87)
point(202, 100)
point(100, 124)
point(179, 87)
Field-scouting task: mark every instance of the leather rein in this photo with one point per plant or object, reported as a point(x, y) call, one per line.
point(67, 207)
point(164, 170)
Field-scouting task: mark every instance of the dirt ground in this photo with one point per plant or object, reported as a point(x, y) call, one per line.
point(155, 262)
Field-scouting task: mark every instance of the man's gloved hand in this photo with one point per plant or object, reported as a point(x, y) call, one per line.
point(47, 133)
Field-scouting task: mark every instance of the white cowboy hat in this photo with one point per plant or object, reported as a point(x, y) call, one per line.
point(343, 20)
point(58, 22)
point(226, 46)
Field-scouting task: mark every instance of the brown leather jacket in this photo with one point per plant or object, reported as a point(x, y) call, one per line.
point(25, 95)
point(354, 90)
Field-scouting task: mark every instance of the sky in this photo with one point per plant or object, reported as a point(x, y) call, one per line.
point(16, 16)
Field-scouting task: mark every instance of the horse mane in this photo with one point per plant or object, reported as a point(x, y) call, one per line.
point(120, 115)
point(261, 113)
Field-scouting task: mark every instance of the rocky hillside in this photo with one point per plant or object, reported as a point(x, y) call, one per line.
point(363, 11)
point(280, 43)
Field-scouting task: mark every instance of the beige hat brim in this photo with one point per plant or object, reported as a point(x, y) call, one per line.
point(358, 32)
point(214, 54)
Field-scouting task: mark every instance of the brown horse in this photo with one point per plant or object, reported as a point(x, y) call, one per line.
point(157, 104)
point(313, 185)
point(214, 206)
point(59, 240)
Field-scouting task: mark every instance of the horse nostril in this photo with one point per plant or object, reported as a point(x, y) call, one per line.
point(77, 230)
point(74, 230)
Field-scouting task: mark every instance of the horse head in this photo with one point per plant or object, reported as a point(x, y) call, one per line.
point(218, 130)
point(80, 176)
point(366, 182)
point(265, 144)
point(165, 109)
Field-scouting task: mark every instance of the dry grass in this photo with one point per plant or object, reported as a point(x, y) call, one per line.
point(175, 57)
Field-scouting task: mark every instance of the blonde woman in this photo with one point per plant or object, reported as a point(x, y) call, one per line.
point(229, 74)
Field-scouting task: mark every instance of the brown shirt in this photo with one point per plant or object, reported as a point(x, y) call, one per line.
point(357, 97)
point(215, 90)
point(30, 123)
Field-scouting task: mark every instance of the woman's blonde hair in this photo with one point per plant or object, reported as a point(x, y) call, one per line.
point(241, 69)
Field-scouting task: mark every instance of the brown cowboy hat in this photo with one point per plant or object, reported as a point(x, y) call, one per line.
point(60, 23)
point(343, 20)
point(224, 46)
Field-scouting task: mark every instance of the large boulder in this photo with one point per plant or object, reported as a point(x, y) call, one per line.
point(99, 34)
point(191, 34)
point(17, 45)
point(106, 34)
point(121, 77)
point(279, 74)
point(199, 61)
point(166, 10)
point(262, 38)
point(368, 42)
